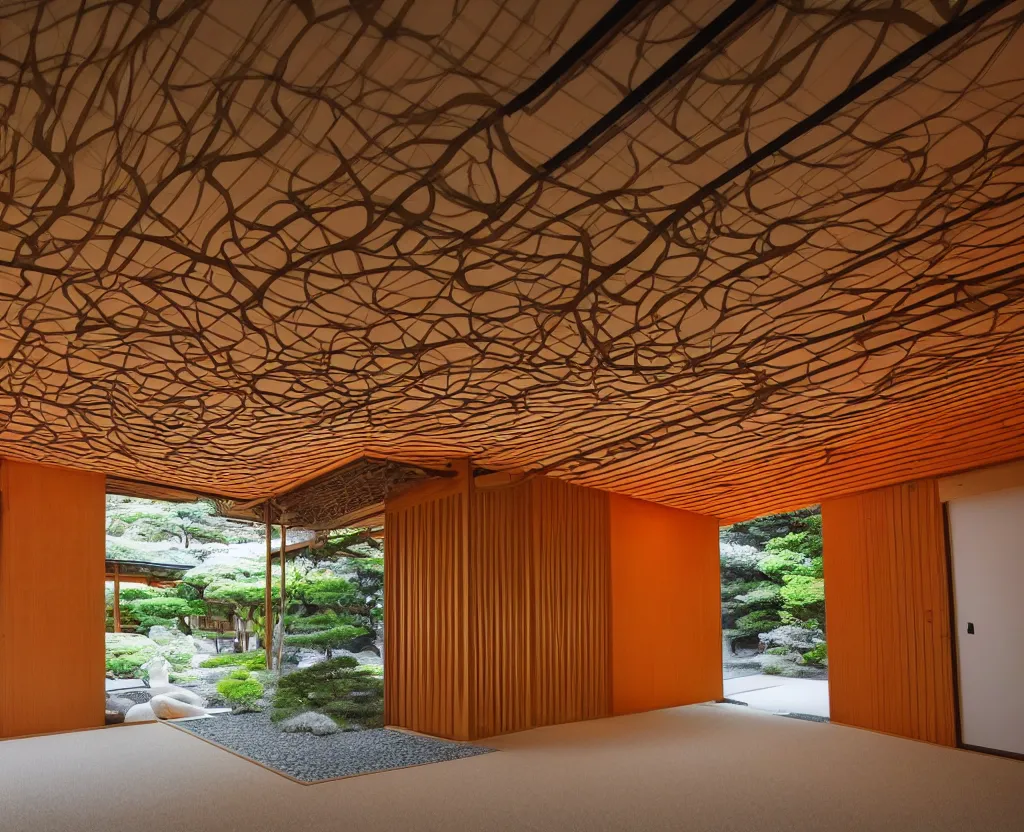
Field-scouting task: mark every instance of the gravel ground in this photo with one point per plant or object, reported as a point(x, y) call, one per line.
point(310, 758)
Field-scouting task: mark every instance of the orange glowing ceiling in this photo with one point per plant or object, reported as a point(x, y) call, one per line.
point(733, 257)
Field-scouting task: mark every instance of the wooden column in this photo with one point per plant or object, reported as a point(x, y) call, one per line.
point(117, 598)
point(268, 592)
point(496, 606)
point(284, 560)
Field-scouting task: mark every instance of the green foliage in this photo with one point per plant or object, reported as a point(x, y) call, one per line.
point(240, 691)
point(339, 688)
point(202, 576)
point(817, 655)
point(757, 622)
point(182, 678)
point(758, 532)
point(764, 596)
point(331, 639)
point(313, 623)
point(126, 653)
point(327, 592)
point(778, 582)
point(253, 660)
point(804, 597)
point(777, 651)
point(148, 622)
point(347, 543)
point(167, 607)
point(179, 661)
point(772, 670)
point(241, 673)
point(139, 593)
point(241, 595)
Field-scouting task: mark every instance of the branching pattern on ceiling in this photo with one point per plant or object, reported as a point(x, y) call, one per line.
point(240, 242)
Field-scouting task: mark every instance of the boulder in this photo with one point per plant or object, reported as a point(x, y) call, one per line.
point(117, 708)
point(167, 707)
point(798, 639)
point(318, 724)
point(172, 640)
point(140, 713)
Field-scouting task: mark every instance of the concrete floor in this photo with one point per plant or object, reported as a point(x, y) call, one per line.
point(780, 695)
point(705, 767)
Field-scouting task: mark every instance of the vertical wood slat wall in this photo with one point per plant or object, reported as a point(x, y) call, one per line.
point(425, 618)
point(51, 656)
point(536, 619)
point(887, 612)
point(501, 587)
point(572, 606)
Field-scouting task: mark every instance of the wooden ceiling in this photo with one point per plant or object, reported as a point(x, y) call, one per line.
point(733, 257)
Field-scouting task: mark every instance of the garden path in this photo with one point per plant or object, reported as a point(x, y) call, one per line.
point(780, 695)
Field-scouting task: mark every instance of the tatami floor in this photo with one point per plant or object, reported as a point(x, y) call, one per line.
point(705, 767)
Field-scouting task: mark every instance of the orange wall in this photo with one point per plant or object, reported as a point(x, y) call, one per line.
point(52, 550)
point(887, 612)
point(666, 607)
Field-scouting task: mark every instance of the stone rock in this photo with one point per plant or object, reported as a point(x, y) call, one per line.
point(796, 638)
point(140, 713)
point(116, 709)
point(318, 724)
point(172, 640)
point(182, 695)
point(361, 643)
point(167, 707)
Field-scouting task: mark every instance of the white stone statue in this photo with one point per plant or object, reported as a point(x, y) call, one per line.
point(159, 670)
point(170, 707)
point(161, 688)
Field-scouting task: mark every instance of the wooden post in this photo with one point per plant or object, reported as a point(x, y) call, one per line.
point(284, 560)
point(268, 594)
point(117, 598)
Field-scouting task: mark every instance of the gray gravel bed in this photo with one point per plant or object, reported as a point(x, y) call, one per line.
point(310, 758)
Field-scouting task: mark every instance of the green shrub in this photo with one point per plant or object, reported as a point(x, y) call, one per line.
point(771, 670)
point(253, 660)
point(757, 622)
point(331, 639)
point(817, 655)
point(127, 652)
point(326, 592)
point(240, 691)
point(180, 678)
point(777, 651)
point(340, 688)
point(139, 593)
point(241, 673)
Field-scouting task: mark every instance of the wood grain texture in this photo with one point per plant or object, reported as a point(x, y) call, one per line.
point(571, 602)
point(51, 655)
point(508, 630)
point(666, 597)
point(502, 627)
point(426, 617)
point(887, 611)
